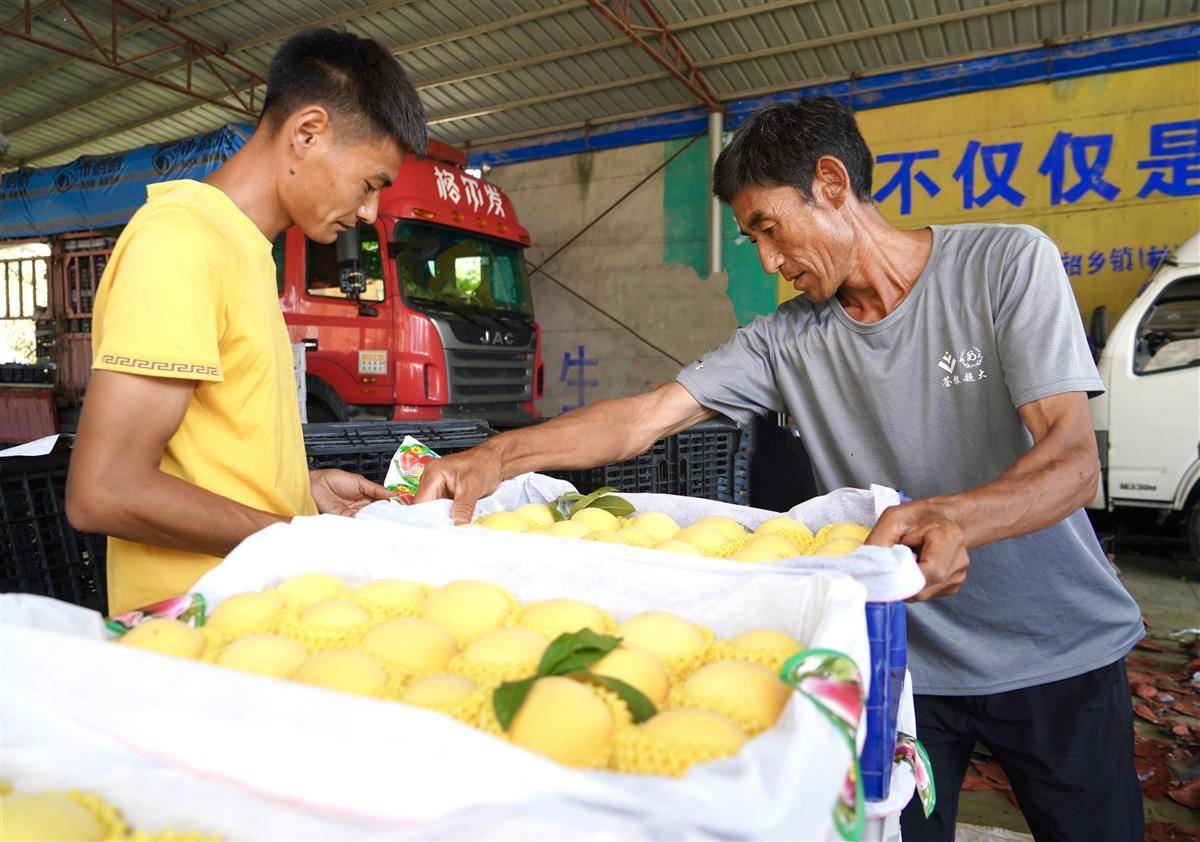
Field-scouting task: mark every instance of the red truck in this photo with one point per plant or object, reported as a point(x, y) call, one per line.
point(426, 314)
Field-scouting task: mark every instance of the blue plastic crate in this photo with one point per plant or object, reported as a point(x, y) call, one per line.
point(889, 659)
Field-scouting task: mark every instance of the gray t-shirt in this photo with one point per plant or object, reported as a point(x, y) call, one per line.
point(926, 401)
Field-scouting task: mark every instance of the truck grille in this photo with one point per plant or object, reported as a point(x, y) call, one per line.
point(487, 375)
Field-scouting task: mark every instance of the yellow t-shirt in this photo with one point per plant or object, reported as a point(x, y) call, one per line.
point(189, 293)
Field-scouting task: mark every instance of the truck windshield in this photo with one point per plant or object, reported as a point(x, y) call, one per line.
point(1169, 334)
point(456, 269)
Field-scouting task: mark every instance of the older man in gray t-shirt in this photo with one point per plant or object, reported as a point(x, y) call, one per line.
point(949, 362)
point(926, 399)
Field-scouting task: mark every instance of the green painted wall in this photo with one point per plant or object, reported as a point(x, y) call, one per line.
point(685, 233)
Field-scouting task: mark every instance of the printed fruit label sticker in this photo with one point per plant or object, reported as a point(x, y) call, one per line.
point(404, 474)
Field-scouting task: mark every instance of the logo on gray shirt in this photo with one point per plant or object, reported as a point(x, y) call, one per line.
point(970, 359)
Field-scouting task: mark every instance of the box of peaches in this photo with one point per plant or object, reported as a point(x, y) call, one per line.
point(615, 663)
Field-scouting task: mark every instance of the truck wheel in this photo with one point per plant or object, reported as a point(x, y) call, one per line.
point(324, 405)
point(1192, 527)
point(319, 413)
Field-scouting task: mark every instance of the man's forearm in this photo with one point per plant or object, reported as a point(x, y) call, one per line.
point(605, 432)
point(165, 511)
point(1041, 488)
point(599, 434)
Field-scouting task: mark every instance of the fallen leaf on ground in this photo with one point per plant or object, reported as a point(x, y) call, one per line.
point(1184, 765)
point(977, 783)
point(1187, 709)
point(1150, 716)
point(992, 770)
point(1170, 678)
point(1145, 691)
point(1151, 748)
point(1188, 795)
point(1151, 646)
point(1153, 777)
point(1180, 754)
point(1170, 832)
point(1140, 661)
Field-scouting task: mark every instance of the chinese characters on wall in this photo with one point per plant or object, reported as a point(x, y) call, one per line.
point(1074, 166)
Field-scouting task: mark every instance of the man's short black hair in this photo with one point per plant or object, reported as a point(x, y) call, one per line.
point(779, 146)
point(356, 79)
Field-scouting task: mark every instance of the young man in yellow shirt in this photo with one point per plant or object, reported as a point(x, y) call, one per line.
point(190, 436)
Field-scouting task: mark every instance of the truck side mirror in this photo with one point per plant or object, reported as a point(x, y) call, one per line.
point(351, 278)
point(1098, 329)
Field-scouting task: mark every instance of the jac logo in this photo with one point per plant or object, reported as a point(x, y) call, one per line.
point(1138, 486)
point(496, 337)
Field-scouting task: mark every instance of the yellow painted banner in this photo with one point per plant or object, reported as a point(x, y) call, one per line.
point(1107, 165)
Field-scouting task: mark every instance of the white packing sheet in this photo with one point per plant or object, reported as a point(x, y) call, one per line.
point(888, 573)
point(188, 745)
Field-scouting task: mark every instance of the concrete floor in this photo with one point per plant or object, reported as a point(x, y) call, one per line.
point(1169, 593)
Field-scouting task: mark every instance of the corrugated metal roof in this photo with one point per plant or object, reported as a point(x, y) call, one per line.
point(490, 71)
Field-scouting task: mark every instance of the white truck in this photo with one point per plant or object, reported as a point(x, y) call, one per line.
point(1148, 421)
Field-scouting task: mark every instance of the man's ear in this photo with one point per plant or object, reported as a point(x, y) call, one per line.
point(831, 182)
point(309, 128)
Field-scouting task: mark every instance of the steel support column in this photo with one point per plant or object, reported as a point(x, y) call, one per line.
point(716, 126)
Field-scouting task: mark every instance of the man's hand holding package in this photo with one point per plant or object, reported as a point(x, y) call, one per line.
point(598, 434)
point(338, 492)
point(464, 478)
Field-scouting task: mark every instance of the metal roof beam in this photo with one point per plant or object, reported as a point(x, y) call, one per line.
point(658, 42)
point(132, 29)
point(30, 11)
point(508, 105)
point(110, 57)
point(751, 93)
point(798, 46)
point(883, 29)
point(509, 137)
point(96, 137)
point(620, 41)
point(486, 27)
point(571, 5)
point(1062, 40)
point(228, 49)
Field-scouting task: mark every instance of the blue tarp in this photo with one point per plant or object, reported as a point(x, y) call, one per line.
point(101, 191)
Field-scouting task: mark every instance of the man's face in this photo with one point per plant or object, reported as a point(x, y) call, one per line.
point(333, 183)
point(809, 244)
